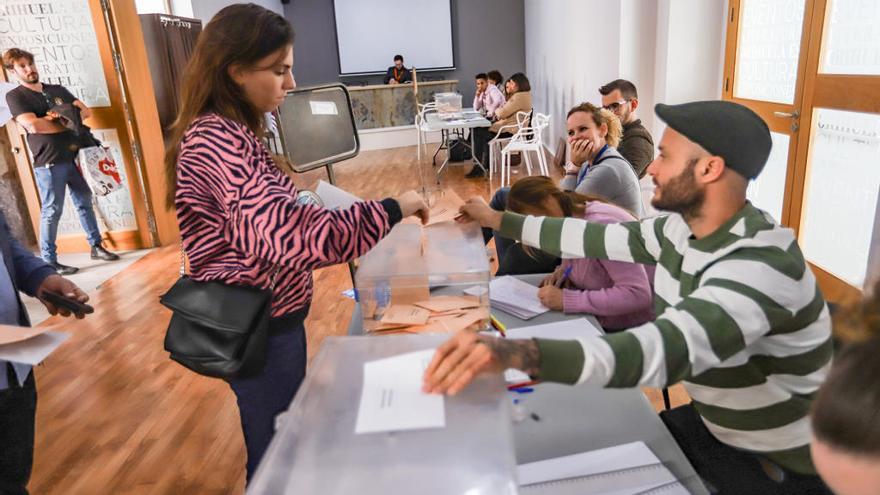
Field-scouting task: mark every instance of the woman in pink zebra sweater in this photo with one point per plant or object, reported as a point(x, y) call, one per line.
point(239, 220)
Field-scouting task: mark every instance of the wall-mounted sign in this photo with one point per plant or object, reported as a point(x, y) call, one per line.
point(61, 35)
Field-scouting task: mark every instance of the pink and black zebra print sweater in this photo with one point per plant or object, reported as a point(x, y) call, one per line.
point(239, 218)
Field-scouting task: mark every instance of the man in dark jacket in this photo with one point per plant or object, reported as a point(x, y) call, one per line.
point(397, 73)
point(22, 271)
point(620, 97)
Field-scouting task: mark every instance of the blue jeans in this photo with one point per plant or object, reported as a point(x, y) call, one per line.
point(262, 397)
point(52, 182)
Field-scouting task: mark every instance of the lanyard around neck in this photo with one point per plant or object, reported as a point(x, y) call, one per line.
point(583, 173)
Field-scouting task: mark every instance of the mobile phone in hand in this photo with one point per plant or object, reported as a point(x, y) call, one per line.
point(67, 303)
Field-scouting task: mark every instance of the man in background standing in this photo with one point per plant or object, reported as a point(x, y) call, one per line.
point(54, 148)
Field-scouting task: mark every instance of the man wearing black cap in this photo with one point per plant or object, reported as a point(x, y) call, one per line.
point(741, 321)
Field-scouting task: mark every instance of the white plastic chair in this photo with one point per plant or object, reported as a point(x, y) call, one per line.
point(422, 125)
point(495, 145)
point(527, 139)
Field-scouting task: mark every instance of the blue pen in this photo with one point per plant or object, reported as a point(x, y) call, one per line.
point(564, 277)
point(522, 390)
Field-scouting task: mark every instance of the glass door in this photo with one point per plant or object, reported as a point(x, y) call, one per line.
point(838, 162)
point(764, 67)
point(811, 69)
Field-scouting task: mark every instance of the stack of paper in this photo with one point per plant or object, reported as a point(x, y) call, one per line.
point(437, 314)
point(516, 297)
point(392, 397)
point(627, 469)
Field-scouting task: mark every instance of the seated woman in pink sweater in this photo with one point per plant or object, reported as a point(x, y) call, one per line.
point(619, 294)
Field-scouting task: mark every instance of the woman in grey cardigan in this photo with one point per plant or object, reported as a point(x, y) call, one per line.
point(595, 167)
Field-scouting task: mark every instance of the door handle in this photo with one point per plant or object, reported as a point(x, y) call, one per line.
point(16, 150)
point(787, 115)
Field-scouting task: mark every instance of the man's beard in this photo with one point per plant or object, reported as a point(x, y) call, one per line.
point(33, 78)
point(681, 194)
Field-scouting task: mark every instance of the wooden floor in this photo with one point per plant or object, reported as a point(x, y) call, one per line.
point(115, 415)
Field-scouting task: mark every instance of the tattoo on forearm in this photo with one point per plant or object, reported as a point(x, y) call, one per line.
point(515, 353)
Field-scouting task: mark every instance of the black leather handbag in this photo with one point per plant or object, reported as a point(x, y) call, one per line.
point(217, 329)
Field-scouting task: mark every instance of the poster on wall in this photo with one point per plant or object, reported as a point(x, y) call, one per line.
point(113, 211)
point(61, 35)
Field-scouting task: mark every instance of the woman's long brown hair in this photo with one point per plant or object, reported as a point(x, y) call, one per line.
point(529, 193)
point(241, 35)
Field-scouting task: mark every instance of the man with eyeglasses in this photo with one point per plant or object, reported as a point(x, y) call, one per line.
point(637, 146)
point(54, 148)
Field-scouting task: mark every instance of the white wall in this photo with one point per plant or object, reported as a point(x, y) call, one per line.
point(568, 54)
point(689, 56)
point(672, 50)
point(638, 35)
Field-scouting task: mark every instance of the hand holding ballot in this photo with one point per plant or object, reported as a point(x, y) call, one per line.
point(477, 210)
point(411, 203)
point(467, 355)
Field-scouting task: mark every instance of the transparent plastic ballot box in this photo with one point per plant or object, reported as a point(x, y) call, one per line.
point(448, 102)
point(316, 451)
point(414, 263)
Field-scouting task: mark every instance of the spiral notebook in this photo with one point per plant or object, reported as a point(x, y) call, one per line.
point(628, 469)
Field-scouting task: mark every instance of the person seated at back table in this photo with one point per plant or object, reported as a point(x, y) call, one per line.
point(741, 322)
point(618, 293)
point(397, 73)
point(519, 99)
point(488, 97)
point(496, 79)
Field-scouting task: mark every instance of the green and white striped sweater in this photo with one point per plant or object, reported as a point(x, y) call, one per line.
point(741, 322)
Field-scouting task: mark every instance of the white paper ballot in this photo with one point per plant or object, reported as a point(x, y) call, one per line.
point(392, 397)
point(33, 350)
point(335, 198)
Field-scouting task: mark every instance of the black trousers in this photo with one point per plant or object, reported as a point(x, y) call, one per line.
point(482, 136)
point(263, 397)
point(726, 470)
point(18, 408)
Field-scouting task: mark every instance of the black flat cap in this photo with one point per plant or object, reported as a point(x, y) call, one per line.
point(723, 128)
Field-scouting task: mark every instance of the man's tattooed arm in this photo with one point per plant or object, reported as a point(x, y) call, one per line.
point(522, 354)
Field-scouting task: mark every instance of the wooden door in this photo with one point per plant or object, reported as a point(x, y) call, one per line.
point(826, 135)
point(72, 47)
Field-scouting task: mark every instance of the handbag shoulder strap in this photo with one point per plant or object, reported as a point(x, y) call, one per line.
point(183, 259)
